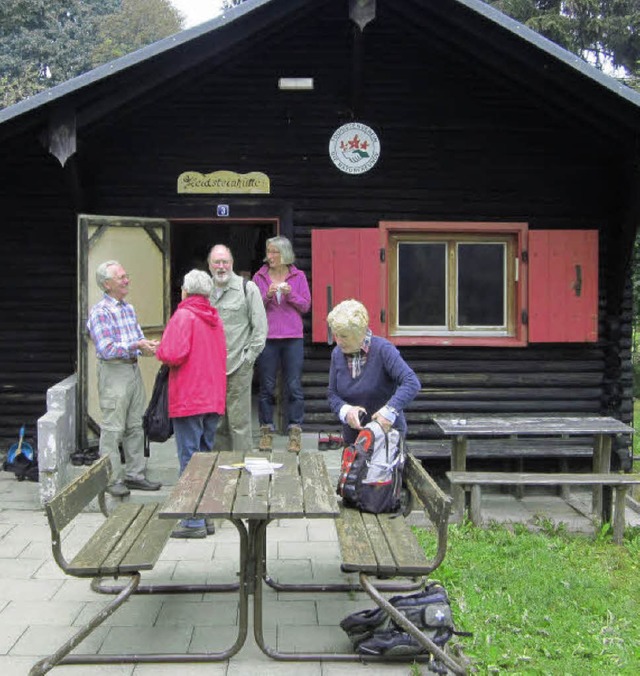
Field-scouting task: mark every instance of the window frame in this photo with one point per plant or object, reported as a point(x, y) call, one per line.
point(515, 234)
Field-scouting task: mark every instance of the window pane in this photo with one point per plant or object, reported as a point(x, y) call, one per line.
point(422, 284)
point(481, 284)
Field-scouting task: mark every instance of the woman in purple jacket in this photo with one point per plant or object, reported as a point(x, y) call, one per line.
point(368, 379)
point(286, 297)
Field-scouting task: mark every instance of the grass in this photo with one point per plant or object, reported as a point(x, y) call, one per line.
point(545, 602)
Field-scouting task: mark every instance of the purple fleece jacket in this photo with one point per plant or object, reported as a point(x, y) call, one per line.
point(285, 318)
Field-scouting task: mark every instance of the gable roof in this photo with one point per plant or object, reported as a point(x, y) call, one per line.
point(485, 34)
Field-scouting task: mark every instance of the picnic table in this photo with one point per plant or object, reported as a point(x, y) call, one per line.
point(216, 485)
point(602, 428)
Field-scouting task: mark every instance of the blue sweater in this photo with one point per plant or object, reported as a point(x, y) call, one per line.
point(385, 379)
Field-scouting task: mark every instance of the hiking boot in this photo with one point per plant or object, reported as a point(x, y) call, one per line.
point(266, 438)
point(295, 439)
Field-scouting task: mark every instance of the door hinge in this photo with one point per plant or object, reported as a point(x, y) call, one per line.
point(525, 317)
point(383, 316)
point(383, 255)
point(524, 256)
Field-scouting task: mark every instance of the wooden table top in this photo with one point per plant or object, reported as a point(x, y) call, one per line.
point(299, 489)
point(477, 425)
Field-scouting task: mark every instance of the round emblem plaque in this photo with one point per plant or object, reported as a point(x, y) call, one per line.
point(354, 148)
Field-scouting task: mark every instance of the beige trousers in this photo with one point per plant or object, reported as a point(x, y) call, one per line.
point(122, 402)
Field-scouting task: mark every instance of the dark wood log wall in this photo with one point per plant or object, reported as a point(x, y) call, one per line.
point(458, 143)
point(38, 281)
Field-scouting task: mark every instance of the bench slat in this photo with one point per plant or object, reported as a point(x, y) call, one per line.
point(357, 553)
point(89, 560)
point(541, 479)
point(409, 556)
point(72, 499)
point(146, 550)
point(382, 549)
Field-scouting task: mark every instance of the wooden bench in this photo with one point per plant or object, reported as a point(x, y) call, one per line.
point(130, 540)
point(473, 481)
point(512, 449)
point(384, 545)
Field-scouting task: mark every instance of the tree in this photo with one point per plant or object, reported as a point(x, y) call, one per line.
point(139, 23)
point(606, 33)
point(230, 4)
point(46, 42)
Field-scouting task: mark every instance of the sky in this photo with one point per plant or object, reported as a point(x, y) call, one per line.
point(197, 11)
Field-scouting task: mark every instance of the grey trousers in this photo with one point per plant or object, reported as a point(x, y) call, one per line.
point(122, 402)
point(234, 429)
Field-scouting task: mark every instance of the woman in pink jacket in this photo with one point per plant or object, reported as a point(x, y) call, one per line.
point(193, 345)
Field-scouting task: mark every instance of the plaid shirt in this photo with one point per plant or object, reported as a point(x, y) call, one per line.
point(357, 360)
point(114, 329)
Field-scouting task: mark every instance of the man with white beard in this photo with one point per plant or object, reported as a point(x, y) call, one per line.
point(240, 305)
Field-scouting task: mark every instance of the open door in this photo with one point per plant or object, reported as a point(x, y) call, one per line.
point(141, 245)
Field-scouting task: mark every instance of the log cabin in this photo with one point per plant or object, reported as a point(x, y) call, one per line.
point(474, 184)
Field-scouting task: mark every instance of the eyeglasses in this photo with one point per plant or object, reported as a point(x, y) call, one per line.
point(121, 278)
point(221, 262)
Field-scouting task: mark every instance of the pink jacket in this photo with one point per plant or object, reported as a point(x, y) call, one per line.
point(194, 347)
point(284, 315)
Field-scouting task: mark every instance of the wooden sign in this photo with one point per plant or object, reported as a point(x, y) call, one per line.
point(224, 182)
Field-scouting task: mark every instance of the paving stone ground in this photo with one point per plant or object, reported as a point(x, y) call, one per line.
point(40, 607)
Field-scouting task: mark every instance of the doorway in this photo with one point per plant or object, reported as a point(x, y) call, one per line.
point(192, 240)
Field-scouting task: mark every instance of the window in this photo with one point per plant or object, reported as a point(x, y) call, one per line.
point(460, 284)
point(448, 282)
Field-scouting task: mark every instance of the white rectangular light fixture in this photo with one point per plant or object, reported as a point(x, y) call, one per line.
point(295, 83)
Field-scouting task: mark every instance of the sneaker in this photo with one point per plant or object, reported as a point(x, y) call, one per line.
point(210, 526)
point(295, 439)
point(118, 490)
point(266, 438)
point(185, 532)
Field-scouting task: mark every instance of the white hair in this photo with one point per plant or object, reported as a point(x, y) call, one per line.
point(349, 316)
point(102, 272)
point(197, 283)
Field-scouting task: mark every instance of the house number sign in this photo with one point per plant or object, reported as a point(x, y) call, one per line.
point(354, 148)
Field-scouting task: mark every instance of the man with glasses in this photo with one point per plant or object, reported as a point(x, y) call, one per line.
point(245, 327)
point(119, 341)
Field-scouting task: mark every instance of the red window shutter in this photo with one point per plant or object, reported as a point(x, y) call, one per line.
point(563, 286)
point(345, 263)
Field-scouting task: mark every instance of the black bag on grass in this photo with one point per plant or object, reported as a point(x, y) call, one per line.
point(373, 632)
point(156, 422)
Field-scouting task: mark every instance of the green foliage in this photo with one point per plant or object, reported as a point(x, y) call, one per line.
point(603, 32)
point(545, 602)
point(46, 42)
point(139, 23)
